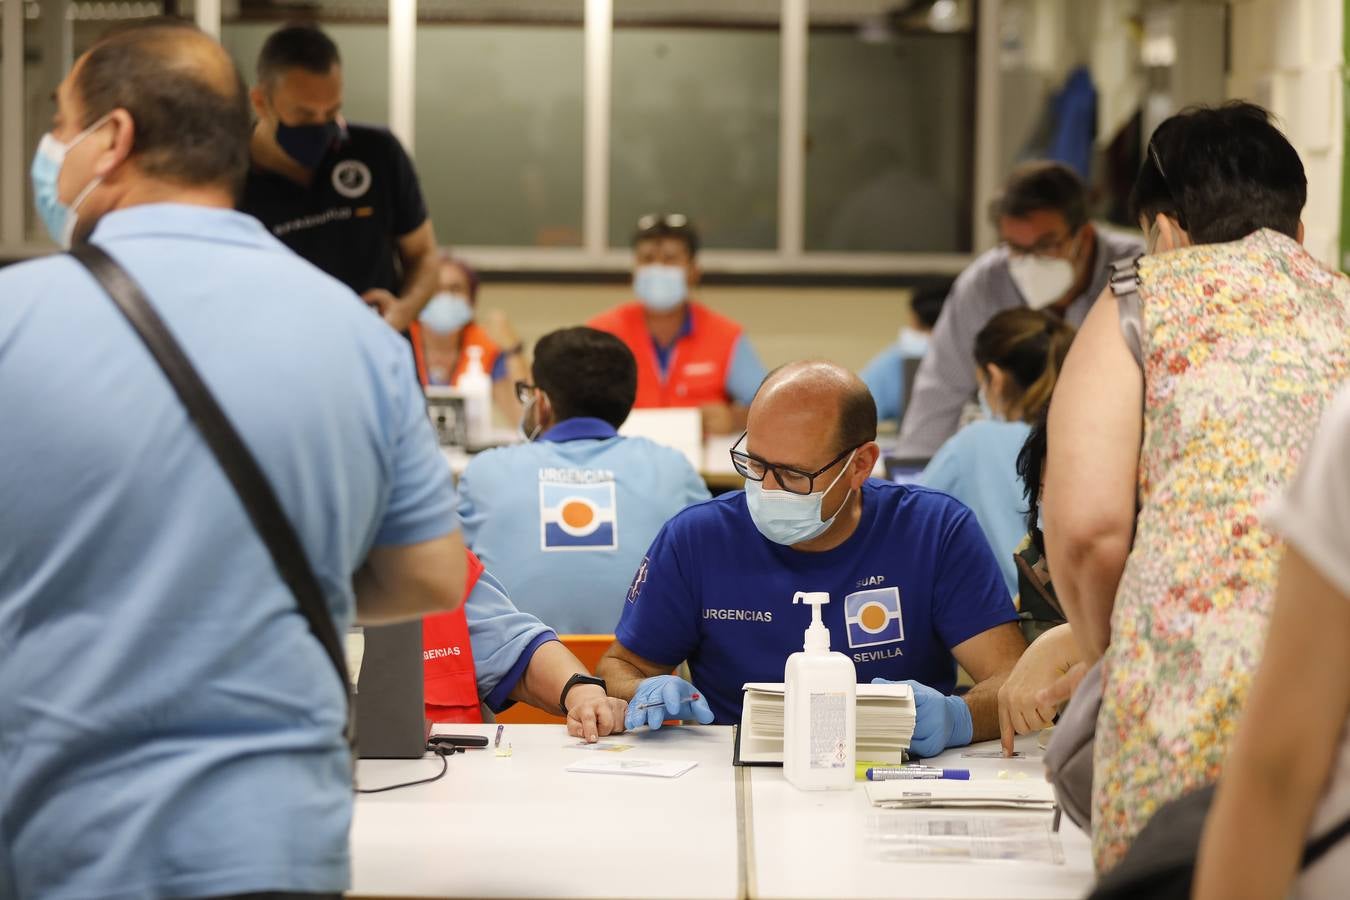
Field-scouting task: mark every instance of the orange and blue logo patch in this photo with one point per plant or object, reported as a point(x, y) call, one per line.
point(873, 617)
point(577, 516)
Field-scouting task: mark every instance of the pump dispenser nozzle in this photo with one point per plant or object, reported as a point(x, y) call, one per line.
point(816, 638)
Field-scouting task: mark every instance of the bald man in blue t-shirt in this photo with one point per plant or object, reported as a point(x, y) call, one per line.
point(914, 587)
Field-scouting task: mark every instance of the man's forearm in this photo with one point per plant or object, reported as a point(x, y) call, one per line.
point(621, 677)
point(377, 604)
point(549, 669)
point(983, 702)
point(419, 285)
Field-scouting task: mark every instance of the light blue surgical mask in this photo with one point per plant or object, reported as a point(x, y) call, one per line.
point(660, 288)
point(446, 313)
point(58, 218)
point(787, 518)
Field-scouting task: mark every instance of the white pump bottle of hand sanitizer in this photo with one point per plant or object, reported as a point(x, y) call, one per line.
point(476, 386)
point(819, 713)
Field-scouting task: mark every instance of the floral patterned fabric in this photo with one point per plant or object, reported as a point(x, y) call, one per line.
point(1243, 345)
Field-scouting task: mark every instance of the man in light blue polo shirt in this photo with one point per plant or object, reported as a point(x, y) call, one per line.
point(169, 727)
point(563, 520)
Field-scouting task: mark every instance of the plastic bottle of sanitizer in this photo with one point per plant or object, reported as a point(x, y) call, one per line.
point(819, 714)
point(476, 386)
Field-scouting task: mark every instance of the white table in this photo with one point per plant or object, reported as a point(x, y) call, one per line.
point(832, 844)
point(522, 827)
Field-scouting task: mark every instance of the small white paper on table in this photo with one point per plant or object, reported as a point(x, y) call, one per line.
point(656, 768)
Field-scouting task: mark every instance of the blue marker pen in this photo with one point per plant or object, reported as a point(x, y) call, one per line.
point(917, 773)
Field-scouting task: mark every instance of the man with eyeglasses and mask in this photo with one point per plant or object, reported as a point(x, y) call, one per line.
point(914, 588)
point(343, 196)
point(563, 519)
point(1050, 257)
point(687, 355)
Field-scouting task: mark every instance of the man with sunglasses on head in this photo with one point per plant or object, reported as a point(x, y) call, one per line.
point(1050, 257)
point(563, 519)
point(914, 588)
point(687, 355)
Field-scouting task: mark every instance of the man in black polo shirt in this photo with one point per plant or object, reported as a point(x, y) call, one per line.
point(345, 197)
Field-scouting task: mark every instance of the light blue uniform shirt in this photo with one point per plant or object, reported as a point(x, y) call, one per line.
point(563, 521)
point(978, 466)
point(168, 724)
point(503, 640)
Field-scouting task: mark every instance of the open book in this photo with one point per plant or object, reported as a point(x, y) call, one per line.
point(885, 724)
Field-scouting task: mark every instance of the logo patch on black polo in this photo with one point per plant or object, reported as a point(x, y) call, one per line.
point(351, 178)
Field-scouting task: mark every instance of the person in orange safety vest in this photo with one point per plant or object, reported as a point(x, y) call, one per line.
point(687, 355)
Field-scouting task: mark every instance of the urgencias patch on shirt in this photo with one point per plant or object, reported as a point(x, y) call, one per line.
point(578, 510)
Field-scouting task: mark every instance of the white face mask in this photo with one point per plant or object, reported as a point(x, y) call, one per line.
point(787, 518)
point(1042, 280)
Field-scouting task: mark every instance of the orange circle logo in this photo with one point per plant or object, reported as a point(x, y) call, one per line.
point(576, 514)
point(872, 617)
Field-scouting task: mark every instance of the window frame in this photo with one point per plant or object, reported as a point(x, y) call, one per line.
point(595, 255)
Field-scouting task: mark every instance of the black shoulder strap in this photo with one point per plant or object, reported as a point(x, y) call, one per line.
point(243, 471)
point(1318, 847)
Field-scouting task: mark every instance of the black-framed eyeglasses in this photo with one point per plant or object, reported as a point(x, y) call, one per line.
point(1157, 164)
point(794, 481)
point(524, 392)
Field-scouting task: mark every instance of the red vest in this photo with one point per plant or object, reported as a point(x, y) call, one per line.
point(449, 685)
point(699, 361)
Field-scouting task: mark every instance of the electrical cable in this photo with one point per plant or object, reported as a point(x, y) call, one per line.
point(445, 765)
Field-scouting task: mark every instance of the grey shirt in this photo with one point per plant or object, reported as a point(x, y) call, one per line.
point(946, 377)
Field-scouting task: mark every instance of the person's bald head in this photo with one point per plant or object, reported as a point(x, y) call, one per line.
point(182, 92)
point(819, 392)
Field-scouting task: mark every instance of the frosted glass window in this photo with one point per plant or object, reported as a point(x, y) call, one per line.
point(695, 131)
point(890, 130)
point(499, 132)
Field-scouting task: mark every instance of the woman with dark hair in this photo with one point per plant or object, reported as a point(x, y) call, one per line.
point(1018, 355)
point(446, 338)
point(1194, 387)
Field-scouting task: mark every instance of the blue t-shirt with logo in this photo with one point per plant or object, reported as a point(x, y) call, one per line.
point(914, 580)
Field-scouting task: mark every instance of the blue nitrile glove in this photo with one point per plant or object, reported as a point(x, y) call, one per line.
point(675, 692)
point(939, 721)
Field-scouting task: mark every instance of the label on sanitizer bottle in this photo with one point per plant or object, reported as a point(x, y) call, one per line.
point(828, 726)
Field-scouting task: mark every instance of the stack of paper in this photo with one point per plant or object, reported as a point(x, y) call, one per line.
point(885, 722)
point(936, 792)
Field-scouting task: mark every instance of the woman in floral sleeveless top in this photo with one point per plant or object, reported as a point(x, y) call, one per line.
point(1231, 339)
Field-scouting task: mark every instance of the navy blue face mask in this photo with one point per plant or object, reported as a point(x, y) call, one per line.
point(307, 144)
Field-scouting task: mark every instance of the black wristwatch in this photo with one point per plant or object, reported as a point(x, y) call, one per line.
point(573, 682)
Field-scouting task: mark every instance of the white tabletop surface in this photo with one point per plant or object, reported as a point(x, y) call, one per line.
point(835, 844)
point(523, 827)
